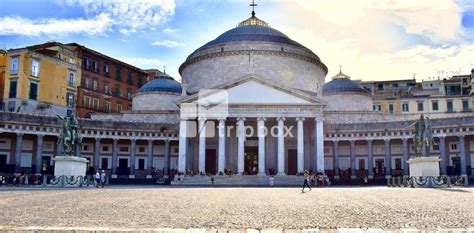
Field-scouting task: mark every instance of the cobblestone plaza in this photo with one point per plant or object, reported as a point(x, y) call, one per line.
point(238, 208)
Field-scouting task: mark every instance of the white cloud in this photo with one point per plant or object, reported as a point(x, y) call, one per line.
point(170, 30)
point(126, 16)
point(381, 40)
point(26, 27)
point(439, 20)
point(167, 43)
point(144, 63)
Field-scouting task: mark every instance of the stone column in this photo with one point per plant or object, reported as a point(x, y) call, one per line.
point(202, 145)
point(97, 154)
point(462, 155)
point(335, 148)
point(19, 143)
point(388, 159)
point(444, 158)
point(222, 139)
point(166, 167)
point(370, 158)
point(319, 144)
point(39, 153)
point(133, 146)
point(353, 160)
point(300, 144)
point(114, 158)
point(183, 137)
point(405, 157)
point(261, 145)
point(281, 146)
point(149, 159)
point(241, 145)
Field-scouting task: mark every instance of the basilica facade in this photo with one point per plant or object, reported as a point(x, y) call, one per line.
point(253, 102)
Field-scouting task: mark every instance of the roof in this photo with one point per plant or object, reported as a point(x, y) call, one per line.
point(342, 83)
point(251, 30)
point(162, 83)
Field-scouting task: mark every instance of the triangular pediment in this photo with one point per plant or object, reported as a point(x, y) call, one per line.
point(251, 91)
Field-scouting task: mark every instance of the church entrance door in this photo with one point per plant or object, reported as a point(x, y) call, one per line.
point(292, 161)
point(211, 161)
point(251, 160)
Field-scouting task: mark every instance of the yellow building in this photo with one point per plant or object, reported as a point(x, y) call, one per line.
point(42, 79)
point(3, 60)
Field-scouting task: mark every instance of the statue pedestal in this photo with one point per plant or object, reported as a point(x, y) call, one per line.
point(69, 166)
point(424, 166)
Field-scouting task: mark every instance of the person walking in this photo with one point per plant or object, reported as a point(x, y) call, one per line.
point(306, 178)
point(102, 178)
point(97, 179)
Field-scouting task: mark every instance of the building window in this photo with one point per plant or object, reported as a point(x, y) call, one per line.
point(434, 105)
point(86, 102)
point(390, 108)
point(420, 106)
point(96, 66)
point(119, 108)
point(465, 105)
point(377, 107)
point(34, 68)
point(94, 85)
point(86, 82)
point(106, 69)
point(87, 64)
point(129, 77)
point(117, 91)
point(117, 74)
point(464, 81)
point(12, 93)
point(106, 88)
point(106, 106)
point(95, 103)
point(449, 104)
point(141, 149)
point(394, 85)
point(71, 60)
point(33, 95)
point(11, 106)
point(129, 94)
point(453, 90)
point(380, 86)
point(454, 147)
point(70, 100)
point(398, 164)
point(405, 107)
point(14, 65)
point(72, 79)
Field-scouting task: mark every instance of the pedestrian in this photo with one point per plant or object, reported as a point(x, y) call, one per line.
point(97, 179)
point(102, 178)
point(306, 178)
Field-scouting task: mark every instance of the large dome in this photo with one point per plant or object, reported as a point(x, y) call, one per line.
point(254, 49)
point(252, 30)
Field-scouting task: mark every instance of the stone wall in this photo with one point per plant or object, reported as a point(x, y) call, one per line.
point(348, 102)
point(285, 70)
point(155, 101)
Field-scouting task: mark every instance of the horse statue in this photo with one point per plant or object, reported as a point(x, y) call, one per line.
point(69, 136)
point(423, 134)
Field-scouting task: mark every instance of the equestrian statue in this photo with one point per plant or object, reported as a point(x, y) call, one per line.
point(69, 136)
point(423, 135)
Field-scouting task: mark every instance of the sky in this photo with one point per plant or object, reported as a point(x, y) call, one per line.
point(369, 39)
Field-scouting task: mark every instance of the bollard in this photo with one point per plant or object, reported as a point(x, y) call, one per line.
point(45, 180)
point(448, 181)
